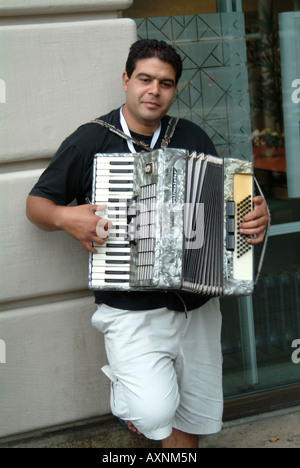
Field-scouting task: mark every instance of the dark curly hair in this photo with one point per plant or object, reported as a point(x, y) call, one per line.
point(148, 48)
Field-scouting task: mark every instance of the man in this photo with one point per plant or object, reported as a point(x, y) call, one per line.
point(165, 368)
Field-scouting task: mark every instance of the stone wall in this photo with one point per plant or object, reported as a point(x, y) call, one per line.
point(61, 66)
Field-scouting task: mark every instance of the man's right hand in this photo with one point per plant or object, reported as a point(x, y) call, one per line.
point(84, 225)
point(80, 222)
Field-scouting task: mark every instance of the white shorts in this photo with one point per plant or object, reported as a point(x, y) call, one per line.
point(165, 369)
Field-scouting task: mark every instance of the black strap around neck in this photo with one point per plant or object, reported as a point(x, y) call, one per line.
point(169, 132)
point(164, 144)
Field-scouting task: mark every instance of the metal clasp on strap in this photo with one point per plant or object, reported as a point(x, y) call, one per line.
point(170, 132)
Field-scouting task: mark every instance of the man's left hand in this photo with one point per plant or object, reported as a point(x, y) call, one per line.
point(256, 222)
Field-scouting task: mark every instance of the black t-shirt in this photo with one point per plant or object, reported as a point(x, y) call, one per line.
point(69, 177)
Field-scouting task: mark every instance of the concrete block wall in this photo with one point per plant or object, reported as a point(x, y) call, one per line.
point(61, 66)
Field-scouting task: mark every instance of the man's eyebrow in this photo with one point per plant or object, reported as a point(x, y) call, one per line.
point(154, 78)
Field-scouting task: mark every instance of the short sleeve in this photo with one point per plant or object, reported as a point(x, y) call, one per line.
point(61, 181)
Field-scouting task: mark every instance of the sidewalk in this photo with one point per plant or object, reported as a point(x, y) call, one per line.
point(280, 429)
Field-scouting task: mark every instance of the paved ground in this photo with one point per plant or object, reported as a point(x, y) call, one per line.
point(280, 429)
point(274, 430)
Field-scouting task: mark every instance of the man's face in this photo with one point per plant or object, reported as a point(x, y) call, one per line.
point(150, 92)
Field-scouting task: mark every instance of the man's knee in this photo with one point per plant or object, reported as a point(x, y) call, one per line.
point(155, 418)
point(151, 413)
point(158, 411)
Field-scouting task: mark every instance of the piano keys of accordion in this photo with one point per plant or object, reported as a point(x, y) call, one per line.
point(113, 187)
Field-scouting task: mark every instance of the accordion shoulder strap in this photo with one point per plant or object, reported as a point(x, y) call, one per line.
point(169, 132)
point(120, 133)
point(164, 144)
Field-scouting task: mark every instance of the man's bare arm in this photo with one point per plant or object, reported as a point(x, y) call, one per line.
point(80, 222)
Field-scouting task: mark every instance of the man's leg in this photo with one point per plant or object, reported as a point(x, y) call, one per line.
point(179, 439)
point(141, 347)
point(199, 374)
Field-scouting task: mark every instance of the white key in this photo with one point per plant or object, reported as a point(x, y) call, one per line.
point(97, 283)
point(104, 250)
point(114, 193)
point(115, 268)
point(101, 275)
point(115, 159)
point(116, 261)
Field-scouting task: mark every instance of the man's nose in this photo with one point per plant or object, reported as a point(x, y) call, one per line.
point(154, 88)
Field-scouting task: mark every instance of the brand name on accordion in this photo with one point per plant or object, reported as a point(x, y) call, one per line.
point(174, 185)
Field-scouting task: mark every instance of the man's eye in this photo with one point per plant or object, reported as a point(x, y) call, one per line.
point(166, 85)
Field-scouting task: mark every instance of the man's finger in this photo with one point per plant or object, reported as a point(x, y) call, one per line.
point(88, 246)
point(259, 210)
point(252, 227)
point(257, 240)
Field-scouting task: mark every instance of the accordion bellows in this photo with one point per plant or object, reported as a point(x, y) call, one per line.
point(175, 222)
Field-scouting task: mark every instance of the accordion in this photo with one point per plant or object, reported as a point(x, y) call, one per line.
point(175, 221)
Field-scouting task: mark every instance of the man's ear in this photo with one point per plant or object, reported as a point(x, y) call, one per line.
point(125, 81)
